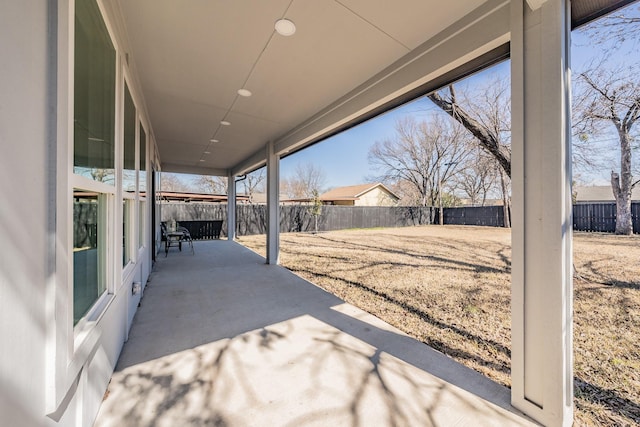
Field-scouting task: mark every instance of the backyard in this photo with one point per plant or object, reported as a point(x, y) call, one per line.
point(449, 287)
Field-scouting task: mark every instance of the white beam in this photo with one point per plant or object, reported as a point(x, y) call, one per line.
point(253, 162)
point(273, 205)
point(231, 206)
point(542, 292)
point(195, 170)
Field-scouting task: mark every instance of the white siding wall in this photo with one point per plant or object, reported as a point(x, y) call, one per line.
point(44, 380)
point(23, 211)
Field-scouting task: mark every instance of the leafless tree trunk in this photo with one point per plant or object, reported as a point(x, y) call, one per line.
point(613, 97)
point(506, 200)
point(487, 123)
point(254, 183)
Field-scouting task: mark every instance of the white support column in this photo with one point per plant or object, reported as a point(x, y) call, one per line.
point(273, 205)
point(231, 206)
point(542, 290)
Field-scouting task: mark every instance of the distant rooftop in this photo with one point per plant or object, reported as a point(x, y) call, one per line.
point(175, 196)
point(353, 192)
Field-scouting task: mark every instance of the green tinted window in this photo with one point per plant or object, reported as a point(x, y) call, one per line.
point(94, 95)
point(88, 251)
point(129, 169)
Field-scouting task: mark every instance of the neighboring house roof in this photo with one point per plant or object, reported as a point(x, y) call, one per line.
point(174, 196)
point(600, 193)
point(258, 198)
point(353, 192)
point(487, 202)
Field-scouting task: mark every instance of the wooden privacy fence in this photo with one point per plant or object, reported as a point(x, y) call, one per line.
point(252, 219)
point(490, 216)
point(601, 217)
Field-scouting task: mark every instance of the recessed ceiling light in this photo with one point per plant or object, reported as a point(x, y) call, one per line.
point(244, 92)
point(225, 123)
point(284, 27)
point(207, 152)
point(213, 140)
point(202, 160)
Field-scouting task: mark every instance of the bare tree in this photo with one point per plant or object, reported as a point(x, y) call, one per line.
point(254, 183)
point(478, 179)
point(587, 156)
point(406, 191)
point(613, 98)
point(306, 180)
point(316, 209)
point(424, 156)
point(485, 113)
point(617, 27)
point(211, 184)
point(171, 182)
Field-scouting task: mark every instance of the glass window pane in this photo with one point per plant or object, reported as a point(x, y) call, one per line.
point(94, 99)
point(88, 252)
point(129, 169)
point(141, 223)
point(126, 231)
point(143, 160)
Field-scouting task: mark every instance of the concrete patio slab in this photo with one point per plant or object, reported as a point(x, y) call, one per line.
point(222, 339)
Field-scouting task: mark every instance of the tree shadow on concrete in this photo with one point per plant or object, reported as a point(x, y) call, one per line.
point(342, 363)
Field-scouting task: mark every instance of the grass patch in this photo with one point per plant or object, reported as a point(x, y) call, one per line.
point(449, 287)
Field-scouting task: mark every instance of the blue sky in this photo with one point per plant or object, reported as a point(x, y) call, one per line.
point(343, 157)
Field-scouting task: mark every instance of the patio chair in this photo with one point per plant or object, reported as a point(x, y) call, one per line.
point(180, 235)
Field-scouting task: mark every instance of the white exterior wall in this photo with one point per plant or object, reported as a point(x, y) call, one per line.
point(48, 376)
point(24, 219)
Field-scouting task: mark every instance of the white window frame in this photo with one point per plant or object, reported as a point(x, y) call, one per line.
point(69, 347)
point(106, 215)
point(126, 196)
point(142, 235)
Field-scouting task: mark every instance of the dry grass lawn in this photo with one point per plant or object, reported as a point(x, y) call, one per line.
point(449, 287)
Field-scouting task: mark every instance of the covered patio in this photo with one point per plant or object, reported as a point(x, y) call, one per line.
point(223, 339)
point(101, 96)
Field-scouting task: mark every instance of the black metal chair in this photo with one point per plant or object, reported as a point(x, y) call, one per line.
point(180, 235)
